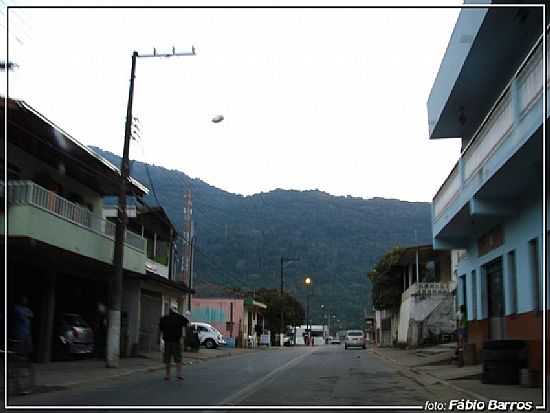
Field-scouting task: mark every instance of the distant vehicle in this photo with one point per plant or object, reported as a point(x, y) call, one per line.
point(355, 338)
point(208, 335)
point(73, 336)
point(335, 340)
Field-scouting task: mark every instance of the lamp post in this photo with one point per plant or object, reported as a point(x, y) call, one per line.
point(326, 317)
point(115, 287)
point(283, 261)
point(307, 283)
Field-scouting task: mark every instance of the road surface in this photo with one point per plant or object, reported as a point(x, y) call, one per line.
point(304, 376)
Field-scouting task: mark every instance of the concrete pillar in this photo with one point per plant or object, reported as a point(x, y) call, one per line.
point(131, 305)
point(47, 321)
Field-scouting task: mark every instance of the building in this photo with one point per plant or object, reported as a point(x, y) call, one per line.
point(149, 296)
point(317, 332)
point(60, 249)
point(488, 93)
point(370, 326)
point(59, 245)
point(426, 311)
point(238, 319)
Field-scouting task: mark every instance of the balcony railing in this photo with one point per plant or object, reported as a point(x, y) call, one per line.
point(30, 193)
point(517, 98)
point(429, 289)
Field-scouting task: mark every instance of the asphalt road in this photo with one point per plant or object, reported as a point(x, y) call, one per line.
point(319, 376)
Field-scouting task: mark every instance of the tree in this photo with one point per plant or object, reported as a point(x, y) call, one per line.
point(386, 285)
point(293, 310)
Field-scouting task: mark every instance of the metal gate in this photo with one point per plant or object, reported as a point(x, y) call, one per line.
point(150, 312)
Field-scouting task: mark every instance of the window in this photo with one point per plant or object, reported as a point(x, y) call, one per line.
point(493, 290)
point(535, 273)
point(512, 284)
point(474, 295)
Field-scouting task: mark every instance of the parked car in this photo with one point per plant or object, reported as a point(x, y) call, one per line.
point(355, 338)
point(208, 335)
point(73, 336)
point(335, 340)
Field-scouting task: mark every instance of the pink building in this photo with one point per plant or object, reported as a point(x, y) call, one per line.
point(233, 317)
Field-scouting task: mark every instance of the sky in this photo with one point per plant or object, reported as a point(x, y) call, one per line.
point(328, 99)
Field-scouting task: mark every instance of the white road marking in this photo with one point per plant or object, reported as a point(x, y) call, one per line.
point(253, 387)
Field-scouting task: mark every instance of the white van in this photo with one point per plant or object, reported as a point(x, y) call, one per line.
point(208, 335)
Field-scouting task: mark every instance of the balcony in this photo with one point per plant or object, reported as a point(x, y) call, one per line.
point(155, 267)
point(428, 289)
point(515, 117)
point(37, 213)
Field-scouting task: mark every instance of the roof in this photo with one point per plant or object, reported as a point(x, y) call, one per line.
point(253, 303)
point(177, 285)
point(157, 212)
point(39, 136)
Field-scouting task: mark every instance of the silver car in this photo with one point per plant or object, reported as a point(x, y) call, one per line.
point(355, 338)
point(74, 336)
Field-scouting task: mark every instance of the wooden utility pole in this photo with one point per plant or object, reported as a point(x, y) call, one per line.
point(115, 285)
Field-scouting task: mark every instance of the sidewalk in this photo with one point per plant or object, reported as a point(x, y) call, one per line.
point(434, 364)
point(64, 374)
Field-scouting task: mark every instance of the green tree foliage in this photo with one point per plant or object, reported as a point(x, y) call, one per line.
point(294, 313)
point(386, 284)
point(242, 238)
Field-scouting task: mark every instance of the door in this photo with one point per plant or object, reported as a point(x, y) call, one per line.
point(495, 299)
point(150, 312)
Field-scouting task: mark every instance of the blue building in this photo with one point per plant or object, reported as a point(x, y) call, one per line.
point(489, 93)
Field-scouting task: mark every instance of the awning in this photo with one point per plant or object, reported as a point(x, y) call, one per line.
point(249, 301)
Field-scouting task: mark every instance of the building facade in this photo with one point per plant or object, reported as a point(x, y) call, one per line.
point(488, 93)
point(238, 319)
point(60, 244)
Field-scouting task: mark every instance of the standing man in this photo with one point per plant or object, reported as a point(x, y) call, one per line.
point(171, 326)
point(461, 332)
point(23, 327)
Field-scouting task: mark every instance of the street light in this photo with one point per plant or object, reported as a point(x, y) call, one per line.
point(283, 261)
point(307, 282)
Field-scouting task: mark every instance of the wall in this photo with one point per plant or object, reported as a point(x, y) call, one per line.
point(420, 316)
point(517, 233)
point(445, 267)
point(404, 317)
point(36, 223)
point(216, 311)
point(131, 300)
point(522, 320)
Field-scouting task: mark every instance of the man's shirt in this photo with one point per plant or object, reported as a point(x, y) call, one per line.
point(22, 323)
point(171, 326)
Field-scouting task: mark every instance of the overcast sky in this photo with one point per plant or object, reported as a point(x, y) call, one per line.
point(329, 99)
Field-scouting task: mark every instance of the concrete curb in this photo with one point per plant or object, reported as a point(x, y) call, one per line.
point(437, 379)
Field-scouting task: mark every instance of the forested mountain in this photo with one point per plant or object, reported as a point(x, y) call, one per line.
point(241, 238)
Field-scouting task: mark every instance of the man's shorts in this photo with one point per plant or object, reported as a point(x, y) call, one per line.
point(172, 349)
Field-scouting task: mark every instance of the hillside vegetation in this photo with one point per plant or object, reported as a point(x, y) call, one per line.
point(241, 238)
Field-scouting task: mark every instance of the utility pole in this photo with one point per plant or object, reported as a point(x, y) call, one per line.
point(115, 287)
point(191, 259)
point(115, 296)
point(283, 260)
